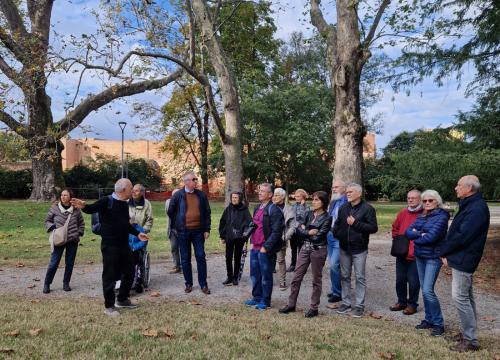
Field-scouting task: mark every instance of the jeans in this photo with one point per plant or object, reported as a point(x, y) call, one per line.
point(117, 262)
point(261, 274)
point(234, 248)
point(174, 249)
point(69, 261)
point(428, 272)
point(347, 261)
point(463, 296)
point(407, 283)
point(315, 257)
point(334, 265)
point(195, 237)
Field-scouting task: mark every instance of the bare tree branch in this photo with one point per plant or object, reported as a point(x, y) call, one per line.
point(11, 13)
point(13, 124)
point(16, 49)
point(376, 21)
point(94, 102)
point(12, 74)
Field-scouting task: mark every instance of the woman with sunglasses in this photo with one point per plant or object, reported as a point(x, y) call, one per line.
point(427, 233)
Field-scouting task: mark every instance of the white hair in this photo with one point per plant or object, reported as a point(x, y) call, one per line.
point(358, 187)
point(122, 184)
point(141, 188)
point(189, 172)
point(415, 191)
point(472, 181)
point(280, 192)
point(433, 194)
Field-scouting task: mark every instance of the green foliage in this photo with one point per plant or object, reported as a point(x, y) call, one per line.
point(15, 184)
point(12, 147)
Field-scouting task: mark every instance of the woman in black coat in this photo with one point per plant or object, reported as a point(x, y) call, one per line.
point(234, 220)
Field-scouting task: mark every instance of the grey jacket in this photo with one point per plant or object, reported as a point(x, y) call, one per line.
point(57, 216)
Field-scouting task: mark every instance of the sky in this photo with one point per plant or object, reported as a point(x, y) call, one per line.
point(427, 106)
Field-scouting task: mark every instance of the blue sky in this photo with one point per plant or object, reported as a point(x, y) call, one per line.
point(427, 106)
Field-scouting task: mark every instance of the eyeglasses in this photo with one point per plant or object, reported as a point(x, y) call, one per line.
point(428, 200)
point(193, 179)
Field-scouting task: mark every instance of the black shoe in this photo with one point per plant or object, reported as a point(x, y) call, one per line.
point(287, 309)
point(66, 287)
point(311, 313)
point(291, 268)
point(437, 331)
point(424, 325)
point(334, 299)
point(46, 288)
point(139, 289)
point(127, 304)
point(235, 282)
point(228, 282)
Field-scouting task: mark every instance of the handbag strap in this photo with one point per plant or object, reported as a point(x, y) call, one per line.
point(67, 221)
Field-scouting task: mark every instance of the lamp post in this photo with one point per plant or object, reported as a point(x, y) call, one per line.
point(122, 125)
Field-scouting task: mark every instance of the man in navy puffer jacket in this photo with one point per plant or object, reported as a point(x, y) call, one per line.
point(462, 251)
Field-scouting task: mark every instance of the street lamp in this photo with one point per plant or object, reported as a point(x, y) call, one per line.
point(122, 125)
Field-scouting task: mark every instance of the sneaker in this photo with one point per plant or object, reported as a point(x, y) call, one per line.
point(111, 312)
point(291, 268)
point(66, 287)
point(437, 331)
point(46, 288)
point(287, 309)
point(424, 325)
point(334, 299)
point(397, 307)
point(283, 287)
point(464, 346)
point(454, 338)
point(357, 312)
point(343, 309)
point(261, 306)
point(127, 304)
point(228, 282)
point(311, 313)
point(250, 302)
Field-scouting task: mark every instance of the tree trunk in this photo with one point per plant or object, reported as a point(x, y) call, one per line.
point(232, 145)
point(204, 151)
point(47, 172)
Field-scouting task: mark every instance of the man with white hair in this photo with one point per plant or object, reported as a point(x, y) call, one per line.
point(355, 222)
point(189, 214)
point(338, 199)
point(116, 254)
point(462, 251)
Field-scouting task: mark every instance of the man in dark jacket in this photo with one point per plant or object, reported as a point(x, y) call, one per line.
point(355, 222)
point(462, 250)
point(266, 241)
point(189, 214)
point(116, 254)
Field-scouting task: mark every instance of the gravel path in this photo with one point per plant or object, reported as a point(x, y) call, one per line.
point(27, 281)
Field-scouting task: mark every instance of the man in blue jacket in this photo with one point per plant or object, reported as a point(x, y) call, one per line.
point(189, 214)
point(462, 251)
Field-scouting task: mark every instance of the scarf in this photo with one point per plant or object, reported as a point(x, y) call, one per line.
point(63, 210)
point(415, 209)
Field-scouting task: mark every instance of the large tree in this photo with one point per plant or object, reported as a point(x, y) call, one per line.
point(24, 60)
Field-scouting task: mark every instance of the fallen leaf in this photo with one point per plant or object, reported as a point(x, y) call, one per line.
point(488, 318)
point(35, 332)
point(12, 333)
point(375, 315)
point(332, 306)
point(378, 267)
point(155, 294)
point(6, 350)
point(167, 332)
point(194, 337)
point(31, 286)
point(35, 301)
point(19, 265)
point(195, 302)
point(36, 279)
point(150, 333)
point(90, 262)
point(387, 355)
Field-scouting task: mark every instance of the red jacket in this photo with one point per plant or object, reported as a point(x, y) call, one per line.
point(404, 219)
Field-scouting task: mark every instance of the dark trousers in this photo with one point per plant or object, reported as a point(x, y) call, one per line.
point(117, 263)
point(295, 245)
point(196, 238)
point(234, 249)
point(69, 260)
point(138, 257)
point(317, 258)
point(407, 283)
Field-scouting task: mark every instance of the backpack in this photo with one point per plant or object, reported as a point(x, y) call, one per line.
point(96, 217)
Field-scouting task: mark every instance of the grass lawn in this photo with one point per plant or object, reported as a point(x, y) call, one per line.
point(77, 329)
point(23, 238)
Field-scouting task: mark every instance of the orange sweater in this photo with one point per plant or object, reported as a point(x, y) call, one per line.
point(193, 220)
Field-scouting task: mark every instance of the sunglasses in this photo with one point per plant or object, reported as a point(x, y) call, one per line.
point(428, 200)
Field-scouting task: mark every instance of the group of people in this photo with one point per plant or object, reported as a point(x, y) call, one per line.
point(336, 228)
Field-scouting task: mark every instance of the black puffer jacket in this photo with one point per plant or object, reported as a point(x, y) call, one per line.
point(354, 238)
point(233, 222)
point(322, 223)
